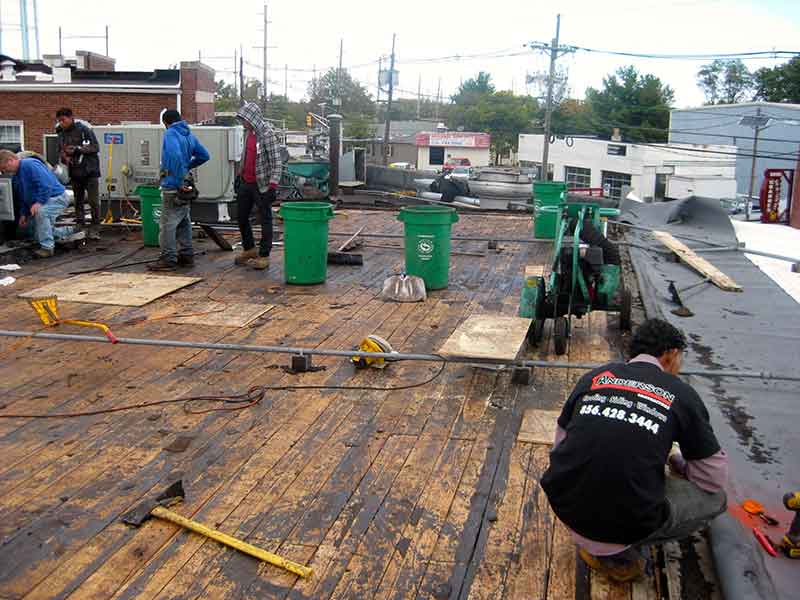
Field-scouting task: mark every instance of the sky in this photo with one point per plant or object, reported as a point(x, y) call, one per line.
point(306, 36)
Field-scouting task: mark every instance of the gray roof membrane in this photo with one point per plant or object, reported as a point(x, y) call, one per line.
point(755, 420)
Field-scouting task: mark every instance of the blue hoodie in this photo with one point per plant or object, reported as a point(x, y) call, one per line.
point(35, 183)
point(180, 153)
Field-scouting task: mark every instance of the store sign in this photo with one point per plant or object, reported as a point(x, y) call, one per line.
point(462, 141)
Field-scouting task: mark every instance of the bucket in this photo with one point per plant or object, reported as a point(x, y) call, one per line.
point(427, 243)
point(150, 205)
point(305, 241)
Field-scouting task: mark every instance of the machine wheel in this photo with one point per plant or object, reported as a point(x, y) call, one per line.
point(535, 332)
point(625, 310)
point(560, 334)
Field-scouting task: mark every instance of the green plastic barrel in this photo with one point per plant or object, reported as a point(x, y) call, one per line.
point(305, 241)
point(150, 208)
point(427, 243)
point(546, 220)
point(548, 193)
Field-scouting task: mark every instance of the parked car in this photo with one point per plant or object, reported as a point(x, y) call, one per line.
point(452, 163)
point(463, 173)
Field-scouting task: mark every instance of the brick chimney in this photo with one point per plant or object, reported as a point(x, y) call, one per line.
point(197, 92)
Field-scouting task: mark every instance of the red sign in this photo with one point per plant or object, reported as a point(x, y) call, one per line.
point(454, 139)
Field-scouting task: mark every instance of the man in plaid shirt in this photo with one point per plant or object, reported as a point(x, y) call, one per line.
point(257, 184)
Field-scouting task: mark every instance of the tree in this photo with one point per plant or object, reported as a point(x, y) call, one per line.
point(226, 98)
point(780, 83)
point(472, 90)
point(725, 81)
point(355, 98)
point(572, 117)
point(638, 104)
point(504, 116)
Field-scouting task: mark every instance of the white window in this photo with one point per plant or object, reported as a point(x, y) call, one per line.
point(614, 182)
point(578, 177)
point(12, 134)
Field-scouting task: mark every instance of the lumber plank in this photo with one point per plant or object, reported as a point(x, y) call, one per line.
point(487, 337)
point(698, 263)
point(561, 581)
point(538, 426)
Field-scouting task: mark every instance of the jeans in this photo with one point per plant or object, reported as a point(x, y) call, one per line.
point(247, 197)
point(175, 234)
point(45, 219)
point(690, 508)
point(80, 187)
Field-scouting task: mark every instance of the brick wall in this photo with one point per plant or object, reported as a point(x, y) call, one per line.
point(197, 77)
point(38, 109)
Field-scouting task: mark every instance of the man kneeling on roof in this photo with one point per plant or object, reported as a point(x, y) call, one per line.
point(606, 479)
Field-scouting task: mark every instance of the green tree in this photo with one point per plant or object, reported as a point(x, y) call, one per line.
point(572, 117)
point(355, 98)
point(226, 99)
point(504, 116)
point(638, 104)
point(725, 81)
point(780, 83)
point(472, 90)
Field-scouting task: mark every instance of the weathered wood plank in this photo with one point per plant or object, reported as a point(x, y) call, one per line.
point(698, 263)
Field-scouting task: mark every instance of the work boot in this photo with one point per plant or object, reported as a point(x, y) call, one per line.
point(260, 263)
point(42, 252)
point(185, 260)
point(162, 264)
point(245, 256)
point(623, 567)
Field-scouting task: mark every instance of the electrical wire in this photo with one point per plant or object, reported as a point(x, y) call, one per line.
point(248, 399)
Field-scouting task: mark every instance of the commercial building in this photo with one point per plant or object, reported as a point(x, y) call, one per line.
point(734, 124)
point(651, 172)
point(32, 92)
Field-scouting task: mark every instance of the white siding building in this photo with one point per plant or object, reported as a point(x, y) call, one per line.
point(651, 173)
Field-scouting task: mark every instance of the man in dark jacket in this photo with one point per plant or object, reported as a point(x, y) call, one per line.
point(180, 153)
point(606, 479)
point(78, 150)
point(257, 184)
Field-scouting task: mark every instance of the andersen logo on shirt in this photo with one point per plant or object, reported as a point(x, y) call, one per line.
point(608, 381)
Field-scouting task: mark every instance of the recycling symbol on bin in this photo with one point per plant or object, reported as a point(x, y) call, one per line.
point(425, 246)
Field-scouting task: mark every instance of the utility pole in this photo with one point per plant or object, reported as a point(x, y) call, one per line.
point(36, 30)
point(337, 102)
point(378, 97)
point(438, 98)
point(241, 76)
point(235, 71)
point(388, 119)
point(758, 123)
point(266, 23)
point(286, 82)
point(106, 40)
point(419, 94)
point(23, 25)
point(548, 113)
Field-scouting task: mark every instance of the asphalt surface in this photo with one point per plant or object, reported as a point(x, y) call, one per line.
point(756, 421)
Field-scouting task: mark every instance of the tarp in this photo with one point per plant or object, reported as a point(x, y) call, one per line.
point(755, 420)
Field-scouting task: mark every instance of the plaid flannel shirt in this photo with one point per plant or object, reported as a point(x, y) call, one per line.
point(268, 158)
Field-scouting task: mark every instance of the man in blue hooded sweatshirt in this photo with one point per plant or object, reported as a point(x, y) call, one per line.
point(42, 199)
point(180, 153)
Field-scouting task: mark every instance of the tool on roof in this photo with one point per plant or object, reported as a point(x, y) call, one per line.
point(404, 288)
point(345, 258)
point(755, 508)
point(683, 310)
point(764, 541)
point(47, 309)
point(216, 237)
point(373, 343)
point(790, 544)
point(157, 506)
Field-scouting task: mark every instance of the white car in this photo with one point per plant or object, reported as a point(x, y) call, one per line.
point(463, 173)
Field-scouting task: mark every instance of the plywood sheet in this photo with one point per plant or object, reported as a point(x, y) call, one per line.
point(217, 314)
point(538, 426)
point(534, 271)
point(487, 337)
point(119, 289)
point(698, 263)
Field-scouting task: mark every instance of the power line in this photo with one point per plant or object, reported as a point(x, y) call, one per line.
point(675, 56)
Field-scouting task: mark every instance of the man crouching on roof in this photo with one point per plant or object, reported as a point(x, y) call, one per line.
point(606, 479)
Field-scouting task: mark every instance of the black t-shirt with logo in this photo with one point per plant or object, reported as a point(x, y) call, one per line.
point(606, 479)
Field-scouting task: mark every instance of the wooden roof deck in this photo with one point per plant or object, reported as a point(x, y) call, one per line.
point(420, 493)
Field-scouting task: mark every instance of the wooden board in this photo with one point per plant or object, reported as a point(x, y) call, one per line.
point(699, 264)
point(534, 271)
point(119, 289)
point(218, 314)
point(487, 337)
point(538, 426)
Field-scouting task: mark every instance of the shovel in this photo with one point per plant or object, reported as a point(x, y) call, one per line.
point(158, 507)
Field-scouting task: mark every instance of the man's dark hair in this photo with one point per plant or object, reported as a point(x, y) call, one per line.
point(170, 116)
point(64, 112)
point(655, 337)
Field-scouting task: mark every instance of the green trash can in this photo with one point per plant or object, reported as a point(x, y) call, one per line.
point(305, 241)
point(548, 193)
point(150, 208)
point(427, 242)
point(546, 221)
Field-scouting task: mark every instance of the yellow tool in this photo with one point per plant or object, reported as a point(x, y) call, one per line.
point(790, 544)
point(156, 507)
point(47, 309)
point(373, 343)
